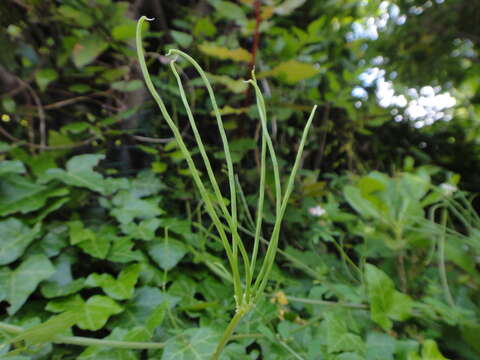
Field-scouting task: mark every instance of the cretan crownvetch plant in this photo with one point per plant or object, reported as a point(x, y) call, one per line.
point(248, 289)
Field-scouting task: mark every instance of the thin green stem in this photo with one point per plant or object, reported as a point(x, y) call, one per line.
point(253, 290)
point(191, 165)
point(227, 334)
point(85, 341)
point(263, 119)
point(457, 209)
point(310, 322)
point(278, 190)
point(347, 259)
point(468, 205)
point(261, 198)
point(298, 263)
point(262, 278)
point(289, 349)
point(431, 216)
point(226, 148)
point(237, 242)
point(243, 199)
point(441, 260)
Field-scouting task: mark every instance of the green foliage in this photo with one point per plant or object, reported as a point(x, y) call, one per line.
point(192, 344)
point(339, 338)
point(103, 235)
point(119, 289)
point(167, 253)
point(47, 331)
point(18, 284)
point(79, 173)
point(17, 238)
point(91, 314)
point(386, 303)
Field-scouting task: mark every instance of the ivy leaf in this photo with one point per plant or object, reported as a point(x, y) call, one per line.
point(380, 346)
point(61, 282)
point(128, 207)
point(144, 230)
point(119, 289)
point(192, 344)
point(47, 331)
point(167, 253)
point(14, 239)
point(96, 244)
point(11, 167)
point(53, 206)
point(145, 184)
point(121, 251)
point(238, 54)
point(291, 72)
point(184, 288)
point(339, 339)
point(87, 50)
point(17, 285)
point(97, 311)
point(92, 314)
point(156, 317)
point(70, 303)
point(78, 232)
point(106, 353)
point(386, 303)
point(142, 310)
point(53, 289)
point(55, 240)
point(19, 194)
point(179, 226)
point(79, 172)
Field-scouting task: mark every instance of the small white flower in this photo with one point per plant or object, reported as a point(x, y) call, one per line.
point(316, 211)
point(448, 189)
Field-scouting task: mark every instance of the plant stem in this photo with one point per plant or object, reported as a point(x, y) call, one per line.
point(263, 276)
point(401, 262)
point(441, 260)
point(85, 341)
point(289, 349)
point(401, 271)
point(191, 165)
point(227, 334)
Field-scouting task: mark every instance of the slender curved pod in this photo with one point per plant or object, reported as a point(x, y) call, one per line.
point(247, 292)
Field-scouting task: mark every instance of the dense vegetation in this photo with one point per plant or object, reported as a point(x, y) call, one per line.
point(104, 235)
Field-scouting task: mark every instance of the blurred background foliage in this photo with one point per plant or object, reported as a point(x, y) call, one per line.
point(397, 84)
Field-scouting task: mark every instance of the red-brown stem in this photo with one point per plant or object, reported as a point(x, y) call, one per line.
point(256, 35)
point(251, 64)
point(256, 39)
